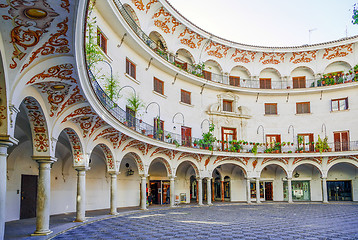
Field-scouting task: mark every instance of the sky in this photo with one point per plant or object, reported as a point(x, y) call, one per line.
point(272, 22)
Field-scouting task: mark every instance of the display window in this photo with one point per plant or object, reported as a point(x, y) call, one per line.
point(300, 190)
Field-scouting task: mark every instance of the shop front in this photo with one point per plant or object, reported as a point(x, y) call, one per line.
point(339, 190)
point(300, 191)
point(159, 191)
point(266, 191)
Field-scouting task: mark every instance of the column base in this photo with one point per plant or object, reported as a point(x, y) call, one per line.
point(42, 233)
point(114, 213)
point(200, 204)
point(210, 204)
point(325, 202)
point(79, 220)
point(144, 209)
point(290, 201)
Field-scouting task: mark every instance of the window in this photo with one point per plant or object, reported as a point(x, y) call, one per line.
point(307, 143)
point(271, 141)
point(341, 141)
point(271, 108)
point(265, 83)
point(303, 107)
point(299, 82)
point(234, 81)
point(186, 136)
point(228, 134)
point(185, 97)
point(339, 104)
point(130, 117)
point(207, 75)
point(101, 40)
point(158, 129)
point(158, 86)
point(227, 106)
point(130, 68)
point(182, 65)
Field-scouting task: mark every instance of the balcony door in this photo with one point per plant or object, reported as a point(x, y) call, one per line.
point(341, 141)
point(228, 134)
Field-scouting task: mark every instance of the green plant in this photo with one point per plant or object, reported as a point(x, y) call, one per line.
point(322, 145)
point(176, 143)
point(135, 104)
point(111, 86)
point(208, 138)
point(254, 149)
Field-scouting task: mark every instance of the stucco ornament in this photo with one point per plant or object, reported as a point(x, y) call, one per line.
point(34, 13)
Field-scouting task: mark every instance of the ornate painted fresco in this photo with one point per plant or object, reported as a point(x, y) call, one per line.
point(77, 152)
point(303, 57)
point(140, 5)
point(272, 58)
point(165, 21)
point(242, 56)
point(216, 49)
point(190, 38)
point(228, 158)
point(109, 157)
point(339, 51)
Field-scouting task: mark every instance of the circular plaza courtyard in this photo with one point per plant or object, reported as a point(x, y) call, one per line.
point(227, 221)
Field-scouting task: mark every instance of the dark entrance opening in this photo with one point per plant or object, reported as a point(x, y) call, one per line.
point(339, 190)
point(268, 191)
point(28, 196)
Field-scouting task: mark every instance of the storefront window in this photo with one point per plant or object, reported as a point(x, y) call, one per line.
point(300, 191)
point(253, 190)
point(339, 190)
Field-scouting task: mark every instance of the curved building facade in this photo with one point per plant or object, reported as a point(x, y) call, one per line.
point(219, 120)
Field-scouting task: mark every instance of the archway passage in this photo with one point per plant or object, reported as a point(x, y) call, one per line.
point(186, 182)
point(227, 177)
point(272, 179)
point(306, 183)
point(341, 181)
point(159, 183)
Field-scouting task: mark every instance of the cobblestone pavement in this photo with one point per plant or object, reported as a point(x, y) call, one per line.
point(229, 221)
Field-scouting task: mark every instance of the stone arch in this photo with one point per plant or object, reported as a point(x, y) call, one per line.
point(303, 67)
point(350, 160)
point(308, 162)
point(213, 63)
point(239, 164)
point(79, 159)
point(131, 13)
point(158, 39)
point(186, 54)
point(166, 164)
point(193, 164)
point(272, 70)
point(277, 162)
point(341, 65)
point(242, 68)
point(3, 101)
point(39, 130)
point(110, 160)
point(137, 160)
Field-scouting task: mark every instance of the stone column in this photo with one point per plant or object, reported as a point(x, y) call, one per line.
point(289, 186)
point(212, 192)
point(324, 188)
point(172, 192)
point(43, 195)
point(208, 185)
point(222, 191)
point(258, 190)
point(200, 192)
point(4, 144)
point(248, 190)
point(81, 194)
point(114, 193)
point(144, 192)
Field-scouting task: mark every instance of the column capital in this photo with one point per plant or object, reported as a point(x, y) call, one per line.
point(113, 173)
point(209, 178)
point(199, 178)
point(144, 175)
point(172, 177)
point(8, 141)
point(82, 168)
point(289, 179)
point(44, 159)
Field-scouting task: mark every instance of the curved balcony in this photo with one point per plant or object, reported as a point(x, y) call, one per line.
point(198, 69)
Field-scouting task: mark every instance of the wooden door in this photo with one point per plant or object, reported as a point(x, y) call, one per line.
point(341, 141)
point(28, 196)
point(186, 136)
point(268, 191)
point(228, 134)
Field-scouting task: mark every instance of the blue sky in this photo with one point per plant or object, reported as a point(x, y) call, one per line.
point(272, 22)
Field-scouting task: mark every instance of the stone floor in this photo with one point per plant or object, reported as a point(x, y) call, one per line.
point(226, 221)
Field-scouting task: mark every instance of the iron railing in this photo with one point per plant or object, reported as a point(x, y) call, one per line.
point(219, 78)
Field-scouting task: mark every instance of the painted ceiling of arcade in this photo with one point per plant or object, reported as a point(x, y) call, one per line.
point(168, 25)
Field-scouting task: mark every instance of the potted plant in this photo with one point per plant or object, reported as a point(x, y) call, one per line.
point(322, 145)
point(208, 138)
point(135, 104)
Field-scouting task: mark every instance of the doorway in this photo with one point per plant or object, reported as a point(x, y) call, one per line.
point(28, 196)
point(160, 191)
point(339, 190)
point(268, 191)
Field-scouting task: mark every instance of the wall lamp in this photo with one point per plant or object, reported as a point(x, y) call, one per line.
point(130, 172)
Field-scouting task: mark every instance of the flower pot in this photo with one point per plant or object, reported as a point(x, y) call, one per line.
point(150, 135)
point(143, 131)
